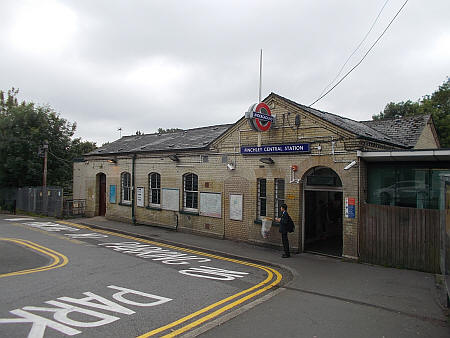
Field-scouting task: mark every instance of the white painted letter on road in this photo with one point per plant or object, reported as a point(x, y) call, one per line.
point(119, 296)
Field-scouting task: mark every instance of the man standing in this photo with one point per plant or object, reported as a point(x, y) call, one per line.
point(284, 228)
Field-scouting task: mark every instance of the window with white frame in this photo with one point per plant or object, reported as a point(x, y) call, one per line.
point(125, 187)
point(190, 192)
point(154, 187)
point(279, 196)
point(262, 197)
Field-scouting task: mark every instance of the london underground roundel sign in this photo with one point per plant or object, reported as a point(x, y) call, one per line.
point(260, 117)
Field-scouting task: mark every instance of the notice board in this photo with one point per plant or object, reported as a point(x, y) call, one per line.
point(140, 193)
point(170, 199)
point(211, 204)
point(236, 207)
point(112, 194)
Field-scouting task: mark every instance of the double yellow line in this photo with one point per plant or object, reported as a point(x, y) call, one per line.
point(273, 279)
point(58, 260)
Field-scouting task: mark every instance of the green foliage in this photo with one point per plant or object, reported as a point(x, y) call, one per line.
point(23, 129)
point(169, 130)
point(436, 104)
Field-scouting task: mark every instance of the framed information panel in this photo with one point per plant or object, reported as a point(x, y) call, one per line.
point(170, 199)
point(140, 193)
point(211, 204)
point(236, 207)
point(112, 194)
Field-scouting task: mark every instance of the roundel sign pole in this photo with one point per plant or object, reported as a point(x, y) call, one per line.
point(260, 117)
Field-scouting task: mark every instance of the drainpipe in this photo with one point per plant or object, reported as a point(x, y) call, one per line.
point(133, 189)
point(359, 207)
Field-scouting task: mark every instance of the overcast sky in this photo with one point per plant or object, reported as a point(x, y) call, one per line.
point(141, 65)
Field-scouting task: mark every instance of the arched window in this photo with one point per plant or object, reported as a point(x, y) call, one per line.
point(190, 190)
point(125, 187)
point(154, 188)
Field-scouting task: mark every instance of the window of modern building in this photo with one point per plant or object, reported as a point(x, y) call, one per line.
point(154, 187)
point(190, 192)
point(262, 197)
point(413, 186)
point(279, 196)
point(125, 187)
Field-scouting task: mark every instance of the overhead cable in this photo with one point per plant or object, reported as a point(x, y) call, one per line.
point(356, 49)
point(360, 61)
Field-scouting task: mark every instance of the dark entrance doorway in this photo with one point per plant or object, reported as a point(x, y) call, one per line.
point(101, 181)
point(323, 212)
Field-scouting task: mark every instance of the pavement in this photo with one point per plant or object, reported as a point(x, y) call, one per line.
point(406, 294)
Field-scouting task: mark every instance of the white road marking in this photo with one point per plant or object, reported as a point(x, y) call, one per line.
point(61, 311)
point(18, 219)
point(155, 253)
point(213, 273)
point(89, 235)
point(50, 226)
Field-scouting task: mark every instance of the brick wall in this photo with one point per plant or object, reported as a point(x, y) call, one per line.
point(330, 147)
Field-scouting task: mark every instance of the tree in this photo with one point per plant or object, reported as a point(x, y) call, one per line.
point(23, 129)
point(436, 104)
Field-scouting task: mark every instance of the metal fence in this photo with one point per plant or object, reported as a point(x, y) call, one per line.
point(400, 237)
point(74, 208)
point(50, 201)
point(39, 200)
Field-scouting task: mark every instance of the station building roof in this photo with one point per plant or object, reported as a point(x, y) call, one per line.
point(400, 132)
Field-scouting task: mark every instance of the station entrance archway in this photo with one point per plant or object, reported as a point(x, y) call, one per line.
point(323, 212)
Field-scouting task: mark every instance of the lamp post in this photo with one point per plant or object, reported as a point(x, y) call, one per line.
point(44, 177)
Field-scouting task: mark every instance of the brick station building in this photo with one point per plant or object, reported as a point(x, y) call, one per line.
point(225, 180)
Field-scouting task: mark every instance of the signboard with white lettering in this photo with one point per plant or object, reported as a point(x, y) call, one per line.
point(280, 148)
point(140, 196)
point(350, 207)
point(260, 117)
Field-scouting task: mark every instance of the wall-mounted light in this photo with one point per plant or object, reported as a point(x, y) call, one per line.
point(174, 158)
point(112, 160)
point(231, 166)
point(350, 165)
point(266, 160)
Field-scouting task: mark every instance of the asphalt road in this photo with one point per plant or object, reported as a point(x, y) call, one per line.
point(59, 278)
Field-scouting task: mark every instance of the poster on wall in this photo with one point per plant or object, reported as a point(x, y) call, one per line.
point(170, 199)
point(236, 207)
point(211, 204)
point(350, 207)
point(140, 193)
point(112, 194)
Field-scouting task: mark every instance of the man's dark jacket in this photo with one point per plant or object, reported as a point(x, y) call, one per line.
point(284, 222)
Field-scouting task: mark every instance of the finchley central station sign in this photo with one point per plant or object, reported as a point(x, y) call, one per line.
point(280, 148)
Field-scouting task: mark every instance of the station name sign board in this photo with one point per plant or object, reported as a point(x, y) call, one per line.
point(280, 148)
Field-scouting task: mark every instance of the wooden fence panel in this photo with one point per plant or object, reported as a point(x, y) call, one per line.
point(400, 237)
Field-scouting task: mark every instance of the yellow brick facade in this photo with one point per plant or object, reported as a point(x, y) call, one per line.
point(331, 147)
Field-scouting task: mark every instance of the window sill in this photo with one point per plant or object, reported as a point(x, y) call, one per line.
point(149, 207)
point(125, 204)
point(188, 212)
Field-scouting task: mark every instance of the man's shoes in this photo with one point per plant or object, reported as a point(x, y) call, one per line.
point(285, 256)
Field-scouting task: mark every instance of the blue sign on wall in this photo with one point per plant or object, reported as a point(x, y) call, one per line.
point(280, 148)
point(351, 211)
point(112, 194)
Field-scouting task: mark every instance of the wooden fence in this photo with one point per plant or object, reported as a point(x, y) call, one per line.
point(400, 237)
